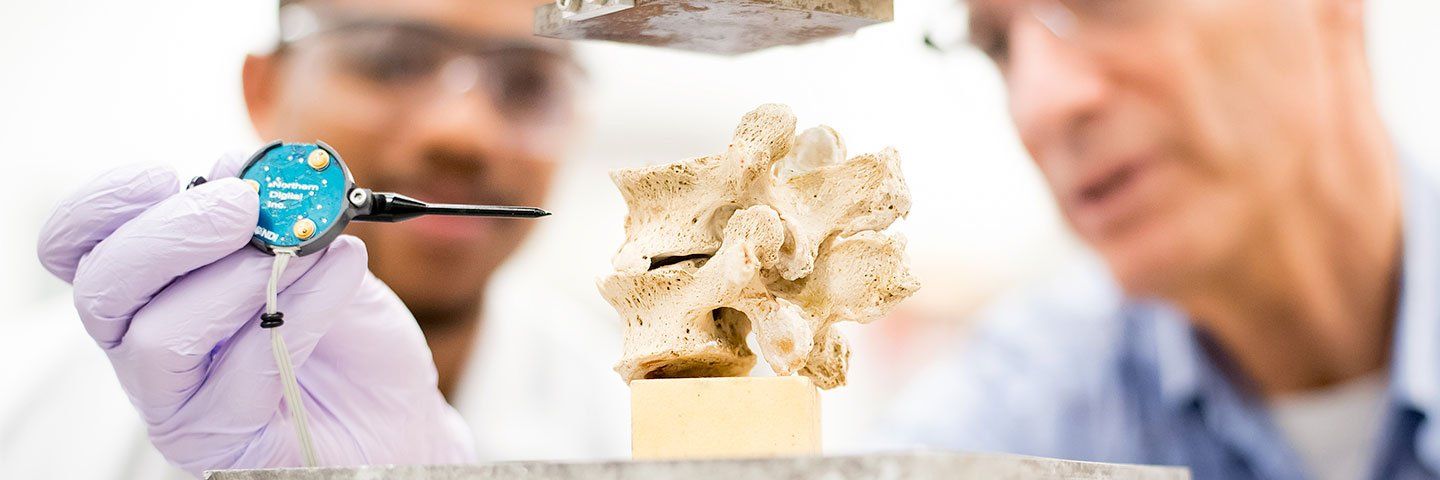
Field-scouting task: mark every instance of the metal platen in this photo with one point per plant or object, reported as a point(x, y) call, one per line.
point(726, 27)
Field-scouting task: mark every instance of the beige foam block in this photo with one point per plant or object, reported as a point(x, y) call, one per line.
point(738, 417)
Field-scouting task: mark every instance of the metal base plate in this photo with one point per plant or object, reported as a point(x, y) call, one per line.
point(718, 26)
point(921, 465)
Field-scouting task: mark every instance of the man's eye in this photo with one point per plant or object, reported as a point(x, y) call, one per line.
point(387, 56)
point(525, 83)
point(393, 65)
point(997, 47)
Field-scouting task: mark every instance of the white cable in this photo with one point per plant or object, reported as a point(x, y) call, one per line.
point(282, 360)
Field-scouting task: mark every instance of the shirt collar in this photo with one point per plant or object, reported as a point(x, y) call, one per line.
point(1415, 360)
point(1179, 360)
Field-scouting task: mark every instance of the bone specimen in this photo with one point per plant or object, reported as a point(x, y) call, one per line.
point(781, 235)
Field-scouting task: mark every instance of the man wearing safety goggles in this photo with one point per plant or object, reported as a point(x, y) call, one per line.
point(451, 101)
point(1264, 304)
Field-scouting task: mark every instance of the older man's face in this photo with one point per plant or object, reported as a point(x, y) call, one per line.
point(414, 105)
point(1169, 131)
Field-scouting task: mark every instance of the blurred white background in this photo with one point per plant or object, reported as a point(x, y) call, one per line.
point(88, 84)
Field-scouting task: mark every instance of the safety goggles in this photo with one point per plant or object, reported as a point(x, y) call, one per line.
point(1084, 23)
point(409, 62)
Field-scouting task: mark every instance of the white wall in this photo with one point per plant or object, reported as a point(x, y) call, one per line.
point(88, 84)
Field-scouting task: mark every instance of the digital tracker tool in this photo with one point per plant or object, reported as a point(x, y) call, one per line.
point(307, 197)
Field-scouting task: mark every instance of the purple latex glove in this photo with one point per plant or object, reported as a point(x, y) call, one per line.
point(166, 284)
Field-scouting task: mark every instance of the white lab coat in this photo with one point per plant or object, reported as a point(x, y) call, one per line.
point(538, 387)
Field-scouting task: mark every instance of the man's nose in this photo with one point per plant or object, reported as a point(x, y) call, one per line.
point(1055, 88)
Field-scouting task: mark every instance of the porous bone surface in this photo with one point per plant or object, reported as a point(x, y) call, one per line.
point(782, 235)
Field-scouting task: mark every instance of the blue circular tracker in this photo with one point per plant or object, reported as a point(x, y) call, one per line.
point(303, 189)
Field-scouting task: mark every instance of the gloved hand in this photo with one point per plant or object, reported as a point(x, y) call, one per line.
point(166, 285)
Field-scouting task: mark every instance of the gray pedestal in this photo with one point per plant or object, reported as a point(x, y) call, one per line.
point(868, 467)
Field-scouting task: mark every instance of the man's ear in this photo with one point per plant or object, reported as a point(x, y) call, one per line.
point(258, 80)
